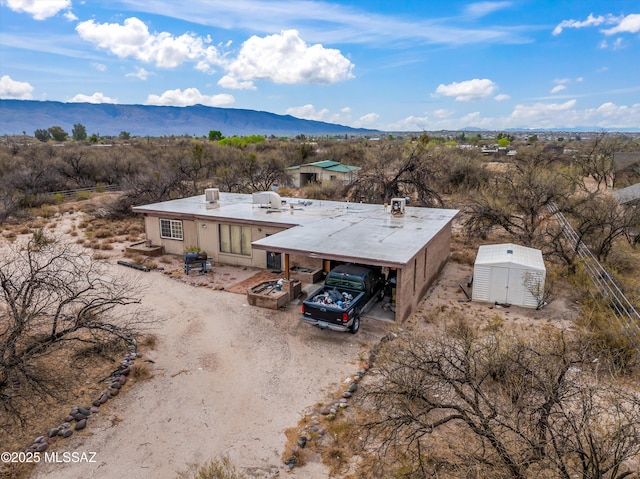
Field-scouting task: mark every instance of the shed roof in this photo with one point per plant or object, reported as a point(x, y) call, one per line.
point(510, 255)
point(630, 194)
point(625, 159)
point(357, 232)
point(327, 165)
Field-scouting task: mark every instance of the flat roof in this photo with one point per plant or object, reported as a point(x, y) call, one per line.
point(358, 232)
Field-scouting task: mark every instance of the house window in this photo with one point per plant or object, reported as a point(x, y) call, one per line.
point(235, 239)
point(171, 229)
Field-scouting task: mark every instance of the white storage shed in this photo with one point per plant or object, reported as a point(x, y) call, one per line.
point(509, 274)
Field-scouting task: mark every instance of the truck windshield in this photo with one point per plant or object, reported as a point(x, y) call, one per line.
point(344, 282)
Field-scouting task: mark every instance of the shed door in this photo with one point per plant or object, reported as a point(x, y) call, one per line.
point(499, 284)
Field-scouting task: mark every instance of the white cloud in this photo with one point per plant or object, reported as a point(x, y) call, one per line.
point(188, 97)
point(285, 58)
point(615, 45)
point(97, 97)
point(99, 66)
point(39, 9)
point(411, 123)
point(442, 113)
point(233, 84)
point(502, 97)
point(591, 21)
point(133, 39)
point(367, 121)
point(15, 90)
point(480, 9)
point(140, 73)
point(539, 115)
point(543, 114)
point(629, 24)
point(469, 90)
point(307, 112)
point(558, 88)
point(70, 16)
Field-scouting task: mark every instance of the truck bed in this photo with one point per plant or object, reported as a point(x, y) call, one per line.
point(331, 313)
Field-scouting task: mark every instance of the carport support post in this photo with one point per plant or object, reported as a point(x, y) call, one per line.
point(286, 266)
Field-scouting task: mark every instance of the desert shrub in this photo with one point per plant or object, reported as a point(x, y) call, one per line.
point(102, 233)
point(323, 192)
point(140, 371)
point(212, 469)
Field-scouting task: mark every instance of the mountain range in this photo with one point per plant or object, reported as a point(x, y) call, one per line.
point(105, 119)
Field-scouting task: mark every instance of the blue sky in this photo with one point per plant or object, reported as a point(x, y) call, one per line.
point(396, 66)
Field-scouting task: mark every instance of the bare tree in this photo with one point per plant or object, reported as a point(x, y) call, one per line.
point(517, 200)
point(502, 405)
point(393, 172)
point(595, 158)
point(599, 221)
point(52, 297)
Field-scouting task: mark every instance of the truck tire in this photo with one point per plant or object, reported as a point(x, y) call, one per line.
point(356, 324)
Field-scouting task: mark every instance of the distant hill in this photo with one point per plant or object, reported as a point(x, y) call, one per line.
point(18, 116)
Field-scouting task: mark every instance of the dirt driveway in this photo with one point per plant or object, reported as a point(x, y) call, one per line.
point(228, 379)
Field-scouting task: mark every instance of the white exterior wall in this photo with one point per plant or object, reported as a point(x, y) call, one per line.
point(516, 278)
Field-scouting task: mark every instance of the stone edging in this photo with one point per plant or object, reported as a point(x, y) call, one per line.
point(79, 416)
point(331, 410)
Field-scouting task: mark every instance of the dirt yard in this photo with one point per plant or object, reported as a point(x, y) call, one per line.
point(228, 379)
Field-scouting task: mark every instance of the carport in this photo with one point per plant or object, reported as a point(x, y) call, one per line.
point(413, 247)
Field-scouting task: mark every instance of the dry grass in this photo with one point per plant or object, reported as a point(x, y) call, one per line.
point(212, 469)
point(291, 448)
point(149, 341)
point(141, 371)
point(79, 373)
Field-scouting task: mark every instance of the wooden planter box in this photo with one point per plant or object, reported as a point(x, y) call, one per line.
point(305, 275)
point(265, 295)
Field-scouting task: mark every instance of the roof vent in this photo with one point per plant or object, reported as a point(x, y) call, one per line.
point(397, 206)
point(212, 198)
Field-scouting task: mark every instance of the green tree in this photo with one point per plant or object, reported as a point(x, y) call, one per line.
point(503, 142)
point(215, 135)
point(79, 132)
point(58, 133)
point(42, 135)
point(93, 138)
point(124, 135)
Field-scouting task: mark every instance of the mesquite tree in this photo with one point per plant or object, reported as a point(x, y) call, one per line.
point(457, 403)
point(53, 296)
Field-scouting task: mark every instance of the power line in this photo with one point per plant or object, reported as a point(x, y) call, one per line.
point(623, 311)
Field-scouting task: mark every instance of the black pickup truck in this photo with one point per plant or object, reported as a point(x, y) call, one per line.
point(348, 291)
